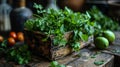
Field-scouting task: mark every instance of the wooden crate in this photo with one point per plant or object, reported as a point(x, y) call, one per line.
point(47, 49)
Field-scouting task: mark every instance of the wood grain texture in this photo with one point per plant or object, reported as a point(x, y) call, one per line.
point(110, 56)
point(85, 61)
point(79, 59)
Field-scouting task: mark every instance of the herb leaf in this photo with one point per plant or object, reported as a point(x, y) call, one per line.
point(99, 62)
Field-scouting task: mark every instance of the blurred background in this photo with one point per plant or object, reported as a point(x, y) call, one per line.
point(11, 14)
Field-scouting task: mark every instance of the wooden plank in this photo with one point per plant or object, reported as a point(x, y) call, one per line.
point(114, 49)
point(117, 38)
point(87, 61)
point(84, 60)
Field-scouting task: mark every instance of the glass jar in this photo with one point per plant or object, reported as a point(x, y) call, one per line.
point(52, 4)
point(4, 16)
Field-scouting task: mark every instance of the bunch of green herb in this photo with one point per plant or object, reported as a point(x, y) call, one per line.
point(58, 22)
point(18, 53)
point(102, 21)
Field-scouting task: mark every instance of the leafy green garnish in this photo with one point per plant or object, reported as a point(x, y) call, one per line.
point(76, 46)
point(20, 54)
point(56, 64)
point(17, 53)
point(4, 44)
point(102, 21)
point(95, 54)
point(99, 62)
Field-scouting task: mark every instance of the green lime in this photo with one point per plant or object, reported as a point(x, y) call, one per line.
point(109, 35)
point(101, 42)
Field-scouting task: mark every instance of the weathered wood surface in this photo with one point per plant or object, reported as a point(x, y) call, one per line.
point(86, 59)
point(80, 59)
point(114, 49)
point(117, 40)
point(110, 56)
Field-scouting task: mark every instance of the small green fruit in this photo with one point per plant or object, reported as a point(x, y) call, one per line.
point(109, 35)
point(101, 42)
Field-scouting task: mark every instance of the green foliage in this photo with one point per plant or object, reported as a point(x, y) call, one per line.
point(58, 22)
point(56, 64)
point(99, 62)
point(102, 21)
point(18, 53)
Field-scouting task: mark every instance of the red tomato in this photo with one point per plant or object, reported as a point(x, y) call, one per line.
point(1, 39)
point(11, 41)
point(13, 35)
point(20, 36)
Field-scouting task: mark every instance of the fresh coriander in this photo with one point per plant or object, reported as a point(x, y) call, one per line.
point(58, 22)
point(18, 53)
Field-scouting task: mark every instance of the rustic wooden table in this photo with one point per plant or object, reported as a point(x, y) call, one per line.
point(85, 58)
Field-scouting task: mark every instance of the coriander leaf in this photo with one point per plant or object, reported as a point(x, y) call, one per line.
point(76, 46)
point(60, 65)
point(99, 62)
point(29, 24)
point(37, 6)
point(63, 42)
point(88, 14)
point(13, 53)
point(62, 28)
point(45, 39)
point(20, 54)
point(84, 37)
point(55, 41)
point(20, 60)
point(4, 43)
point(53, 64)
point(75, 34)
point(93, 55)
